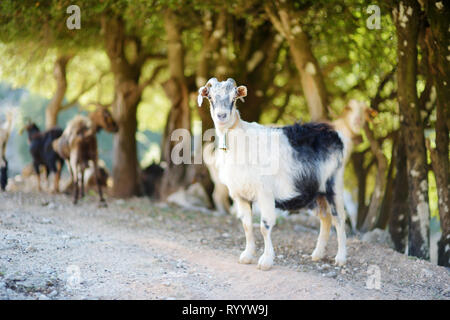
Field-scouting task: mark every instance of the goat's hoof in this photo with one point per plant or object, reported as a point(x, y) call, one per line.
point(317, 255)
point(340, 260)
point(265, 262)
point(102, 204)
point(247, 258)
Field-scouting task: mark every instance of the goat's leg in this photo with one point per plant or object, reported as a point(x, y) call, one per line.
point(325, 226)
point(99, 186)
point(339, 223)
point(39, 182)
point(82, 182)
point(57, 176)
point(220, 197)
point(73, 164)
point(4, 174)
point(38, 175)
point(47, 180)
point(70, 171)
point(75, 190)
point(268, 219)
point(245, 214)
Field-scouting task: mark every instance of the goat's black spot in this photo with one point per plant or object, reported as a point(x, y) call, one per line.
point(330, 195)
point(313, 143)
point(266, 225)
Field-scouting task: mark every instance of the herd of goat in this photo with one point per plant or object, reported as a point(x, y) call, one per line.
point(50, 148)
point(76, 146)
point(310, 175)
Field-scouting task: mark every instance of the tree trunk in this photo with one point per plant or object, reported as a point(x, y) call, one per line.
point(258, 51)
point(175, 176)
point(312, 81)
point(53, 108)
point(437, 41)
point(406, 16)
point(311, 77)
point(399, 210)
point(380, 182)
point(125, 166)
point(127, 98)
point(361, 175)
point(385, 210)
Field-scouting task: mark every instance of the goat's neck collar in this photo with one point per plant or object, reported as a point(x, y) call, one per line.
point(222, 134)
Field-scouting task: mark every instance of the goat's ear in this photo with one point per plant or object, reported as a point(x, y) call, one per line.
point(370, 114)
point(202, 93)
point(241, 92)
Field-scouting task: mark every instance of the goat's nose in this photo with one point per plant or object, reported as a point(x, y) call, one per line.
point(222, 116)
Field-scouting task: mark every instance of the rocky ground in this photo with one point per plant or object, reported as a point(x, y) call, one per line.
point(135, 249)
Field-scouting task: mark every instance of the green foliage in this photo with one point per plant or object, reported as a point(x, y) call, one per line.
point(354, 59)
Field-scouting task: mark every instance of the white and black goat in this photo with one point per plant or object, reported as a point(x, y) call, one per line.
point(349, 125)
point(292, 167)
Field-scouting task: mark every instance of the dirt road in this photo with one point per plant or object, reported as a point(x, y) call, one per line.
point(50, 249)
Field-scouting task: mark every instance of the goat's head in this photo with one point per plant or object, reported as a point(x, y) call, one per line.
point(104, 119)
point(32, 129)
point(29, 127)
point(222, 97)
point(356, 113)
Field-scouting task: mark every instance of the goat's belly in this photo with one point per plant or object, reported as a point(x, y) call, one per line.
point(294, 194)
point(298, 202)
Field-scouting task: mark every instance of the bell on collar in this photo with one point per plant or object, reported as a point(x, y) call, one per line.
point(223, 141)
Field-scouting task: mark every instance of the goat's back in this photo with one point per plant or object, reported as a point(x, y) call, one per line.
point(314, 137)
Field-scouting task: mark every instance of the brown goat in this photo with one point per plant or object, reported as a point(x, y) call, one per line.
point(78, 146)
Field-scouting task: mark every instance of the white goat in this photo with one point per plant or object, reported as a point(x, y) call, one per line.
point(290, 168)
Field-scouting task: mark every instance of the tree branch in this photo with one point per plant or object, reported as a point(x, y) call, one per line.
point(83, 90)
point(274, 18)
point(152, 78)
point(282, 108)
point(375, 101)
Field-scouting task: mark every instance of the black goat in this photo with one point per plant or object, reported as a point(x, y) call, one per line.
point(151, 178)
point(41, 150)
